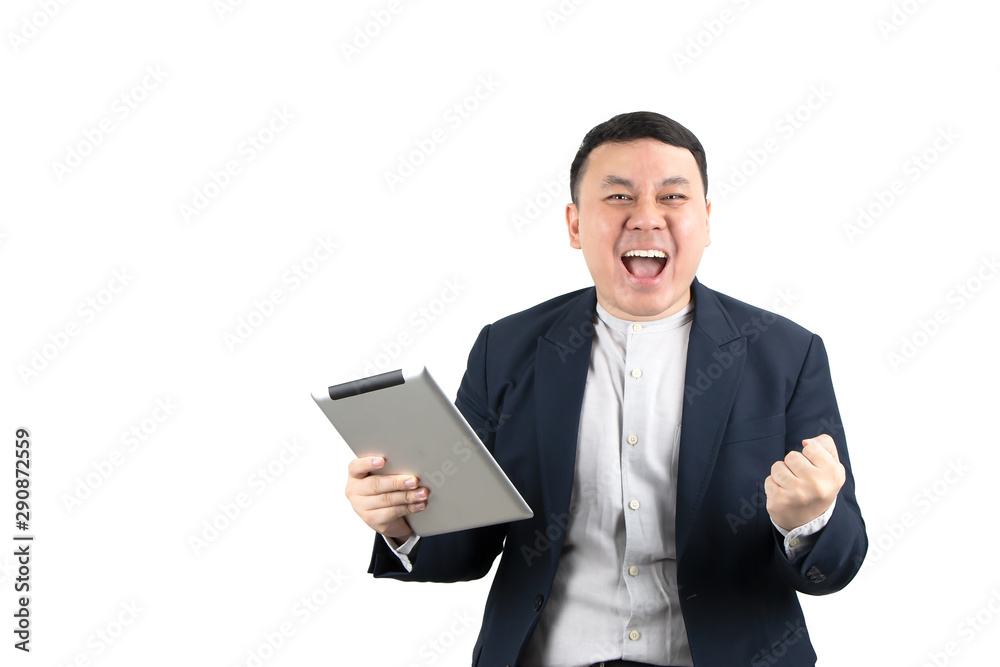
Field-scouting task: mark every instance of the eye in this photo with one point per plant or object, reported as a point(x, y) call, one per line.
point(674, 197)
point(616, 197)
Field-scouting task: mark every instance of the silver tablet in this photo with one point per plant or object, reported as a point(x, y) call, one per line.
point(405, 417)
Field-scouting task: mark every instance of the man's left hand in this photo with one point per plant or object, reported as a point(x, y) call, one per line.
point(804, 485)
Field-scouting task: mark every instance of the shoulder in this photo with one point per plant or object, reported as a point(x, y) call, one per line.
point(541, 316)
point(759, 324)
point(513, 340)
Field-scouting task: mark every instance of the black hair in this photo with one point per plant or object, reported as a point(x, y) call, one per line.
point(630, 127)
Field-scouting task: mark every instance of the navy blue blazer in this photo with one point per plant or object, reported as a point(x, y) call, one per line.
point(756, 385)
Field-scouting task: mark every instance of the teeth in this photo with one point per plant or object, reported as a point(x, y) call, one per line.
point(645, 253)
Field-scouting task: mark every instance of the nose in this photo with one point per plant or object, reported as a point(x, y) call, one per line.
point(646, 215)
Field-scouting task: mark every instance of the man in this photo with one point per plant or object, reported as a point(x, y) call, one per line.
point(682, 450)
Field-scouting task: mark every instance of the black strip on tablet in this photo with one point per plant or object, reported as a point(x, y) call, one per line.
point(364, 385)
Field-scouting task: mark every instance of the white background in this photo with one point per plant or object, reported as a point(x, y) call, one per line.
point(190, 280)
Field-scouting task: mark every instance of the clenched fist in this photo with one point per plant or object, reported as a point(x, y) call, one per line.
point(804, 485)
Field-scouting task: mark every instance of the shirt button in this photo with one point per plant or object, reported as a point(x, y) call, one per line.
point(636, 373)
point(794, 542)
point(637, 327)
point(634, 504)
point(633, 570)
point(634, 635)
point(633, 439)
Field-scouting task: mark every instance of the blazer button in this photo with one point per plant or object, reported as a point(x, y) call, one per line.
point(538, 602)
point(815, 575)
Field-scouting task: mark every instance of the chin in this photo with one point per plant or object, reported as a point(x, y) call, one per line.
point(651, 304)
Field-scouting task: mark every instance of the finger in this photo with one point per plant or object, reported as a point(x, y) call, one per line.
point(780, 474)
point(828, 444)
point(770, 486)
point(392, 499)
point(387, 515)
point(798, 464)
point(373, 485)
point(364, 465)
point(817, 451)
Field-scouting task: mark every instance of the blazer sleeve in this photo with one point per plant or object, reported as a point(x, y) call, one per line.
point(842, 544)
point(465, 554)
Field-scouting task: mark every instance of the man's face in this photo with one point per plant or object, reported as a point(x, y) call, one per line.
point(643, 197)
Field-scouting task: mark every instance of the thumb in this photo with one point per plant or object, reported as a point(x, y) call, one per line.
point(826, 442)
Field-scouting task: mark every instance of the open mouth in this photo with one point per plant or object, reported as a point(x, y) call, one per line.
point(644, 264)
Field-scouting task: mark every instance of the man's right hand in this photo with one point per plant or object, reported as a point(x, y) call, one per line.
point(383, 500)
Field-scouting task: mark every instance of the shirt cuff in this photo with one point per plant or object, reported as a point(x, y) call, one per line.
point(403, 550)
point(801, 540)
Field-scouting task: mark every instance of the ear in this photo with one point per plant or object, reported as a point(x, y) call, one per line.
point(708, 213)
point(573, 225)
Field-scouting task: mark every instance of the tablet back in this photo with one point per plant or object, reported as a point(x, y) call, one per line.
point(406, 418)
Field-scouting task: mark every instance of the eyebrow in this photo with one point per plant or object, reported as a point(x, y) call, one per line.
point(613, 181)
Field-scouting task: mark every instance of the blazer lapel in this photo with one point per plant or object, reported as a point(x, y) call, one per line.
point(562, 362)
point(715, 357)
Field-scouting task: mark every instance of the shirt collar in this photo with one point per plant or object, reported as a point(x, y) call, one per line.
point(678, 319)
